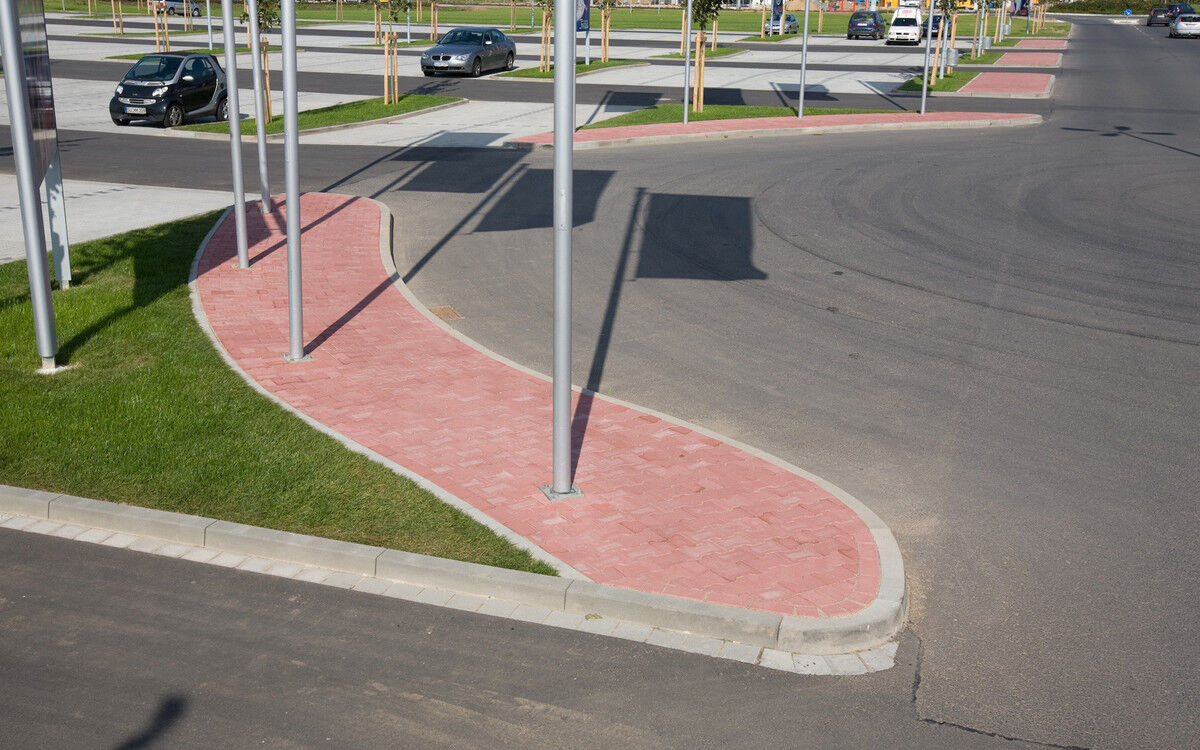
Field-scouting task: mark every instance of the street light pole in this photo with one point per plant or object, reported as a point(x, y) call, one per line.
point(687, 65)
point(291, 178)
point(260, 110)
point(235, 131)
point(208, 13)
point(803, 60)
point(564, 137)
point(928, 40)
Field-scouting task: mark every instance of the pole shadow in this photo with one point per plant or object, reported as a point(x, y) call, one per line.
point(170, 711)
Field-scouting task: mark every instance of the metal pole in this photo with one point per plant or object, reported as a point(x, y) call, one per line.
point(1028, 15)
point(803, 60)
point(208, 12)
point(291, 161)
point(531, 11)
point(21, 132)
point(928, 41)
point(564, 120)
point(56, 207)
point(235, 131)
point(260, 108)
point(687, 65)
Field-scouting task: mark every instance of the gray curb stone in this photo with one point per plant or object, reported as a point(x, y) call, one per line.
point(160, 524)
point(283, 545)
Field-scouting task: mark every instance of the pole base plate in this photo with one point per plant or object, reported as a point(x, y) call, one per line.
point(551, 495)
point(290, 358)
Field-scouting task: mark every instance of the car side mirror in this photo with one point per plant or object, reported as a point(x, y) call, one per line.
point(189, 78)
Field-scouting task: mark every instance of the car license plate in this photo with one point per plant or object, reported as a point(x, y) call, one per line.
point(135, 110)
point(440, 64)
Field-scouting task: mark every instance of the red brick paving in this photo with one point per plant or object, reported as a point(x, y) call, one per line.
point(770, 123)
point(1008, 83)
point(1041, 44)
point(1029, 60)
point(666, 509)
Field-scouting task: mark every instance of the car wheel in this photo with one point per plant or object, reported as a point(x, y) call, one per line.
point(508, 62)
point(173, 117)
point(476, 68)
point(223, 109)
point(170, 11)
point(195, 12)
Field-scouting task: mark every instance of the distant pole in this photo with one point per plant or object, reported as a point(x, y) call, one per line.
point(803, 61)
point(925, 75)
point(564, 127)
point(235, 131)
point(260, 125)
point(56, 208)
point(291, 161)
point(21, 129)
point(687, 65)
point(208, 12)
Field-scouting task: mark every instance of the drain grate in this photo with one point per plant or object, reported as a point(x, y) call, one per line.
point(445, 312)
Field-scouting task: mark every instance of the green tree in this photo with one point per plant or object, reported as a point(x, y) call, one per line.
point(269, 16)
point(704, 14)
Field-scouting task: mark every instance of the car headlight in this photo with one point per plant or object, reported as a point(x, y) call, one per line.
point(158, 92)
point(459, 58)
point(120, 89)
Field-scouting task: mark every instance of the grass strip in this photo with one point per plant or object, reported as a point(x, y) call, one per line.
point(718, 52)
point(150, 415)
point(952, 82)
point(338, 114)
point(660, 113)
point(986, 58)
point(202, 50)
point(579, 68)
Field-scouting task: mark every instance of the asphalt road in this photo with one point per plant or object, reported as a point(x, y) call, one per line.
point(991, 338)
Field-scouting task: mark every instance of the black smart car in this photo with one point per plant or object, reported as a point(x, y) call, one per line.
point(1175, 10)
point(168, 88)
point(1158, 16)
point(866, 23)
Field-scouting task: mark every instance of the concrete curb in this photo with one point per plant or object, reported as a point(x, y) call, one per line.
point(570, 596)
point(278, 137)
point(869, 627)
point(1027, 121)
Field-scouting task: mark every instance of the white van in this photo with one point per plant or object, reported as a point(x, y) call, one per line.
point(906, 26)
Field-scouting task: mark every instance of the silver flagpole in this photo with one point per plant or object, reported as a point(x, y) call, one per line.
point(291, 159)
point(235, 131)
point(260, 108)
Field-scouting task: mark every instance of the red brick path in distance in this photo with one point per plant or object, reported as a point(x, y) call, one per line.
point(1008, 83)
point(1029, 60)
point(1041, 44)
point(770, 123)
point(666, 509)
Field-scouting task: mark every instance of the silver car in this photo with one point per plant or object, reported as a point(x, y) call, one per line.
point(179, 7)
point(1185, 24)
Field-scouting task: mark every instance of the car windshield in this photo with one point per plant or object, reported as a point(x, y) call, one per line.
point(462, 36)
point(153, 68)
point(905, 22)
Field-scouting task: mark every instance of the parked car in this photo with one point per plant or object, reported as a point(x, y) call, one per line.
point(1186, 24)
point(1158, 16)
point(791, 25)
point(1174, 10)
point(470, 50)
point(933, 26)
point(178, 7)
point(168, 88)
point(866, 23)
point(907, 26)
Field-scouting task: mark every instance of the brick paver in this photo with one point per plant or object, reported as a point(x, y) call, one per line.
point(666, 509)
point(1041, 44)
point(1029, 60)
point(771, 123)
point(1009, 83)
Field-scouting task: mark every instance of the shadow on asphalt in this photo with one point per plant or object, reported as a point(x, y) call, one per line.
point(170, 710)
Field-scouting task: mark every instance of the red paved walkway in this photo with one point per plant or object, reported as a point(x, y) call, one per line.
point(1030, 60)
point(1009, 83)
point(666, 509)
point(1041, 44)
point(882, 119)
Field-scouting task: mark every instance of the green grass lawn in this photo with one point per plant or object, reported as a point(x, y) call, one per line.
point(718, 52)
point(674, 113)
point(579, 68)
point(952, 82)
point(218, 50)
point(987, 58)
point(150, 415)
point(338, 114)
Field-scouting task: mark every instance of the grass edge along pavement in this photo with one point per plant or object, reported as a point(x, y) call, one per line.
point(952, 82)
point(362, 110)
point(718, 52)
point(580, 68)
point(148, 414)
point(667, 113)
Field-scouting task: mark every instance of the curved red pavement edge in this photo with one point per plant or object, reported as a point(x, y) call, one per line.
point(751, 537)
point(751, 127)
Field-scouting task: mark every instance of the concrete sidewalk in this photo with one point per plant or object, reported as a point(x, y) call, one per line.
point(668, 509)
